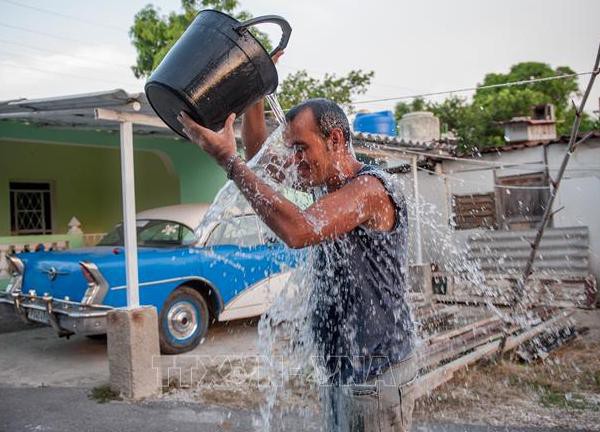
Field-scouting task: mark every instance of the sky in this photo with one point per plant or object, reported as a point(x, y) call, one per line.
point(75, 46)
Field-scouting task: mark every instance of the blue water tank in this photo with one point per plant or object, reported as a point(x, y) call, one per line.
point(382, 122)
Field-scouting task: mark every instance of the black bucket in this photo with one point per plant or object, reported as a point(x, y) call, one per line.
point(215, 68)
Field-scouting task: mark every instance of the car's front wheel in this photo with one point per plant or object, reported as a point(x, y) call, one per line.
point(183, 321)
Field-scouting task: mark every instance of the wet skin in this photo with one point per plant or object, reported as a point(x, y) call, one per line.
point(321, 161)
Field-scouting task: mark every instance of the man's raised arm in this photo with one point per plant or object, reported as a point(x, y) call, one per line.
point(254, 129)
point(362, 200)
point(254, 125)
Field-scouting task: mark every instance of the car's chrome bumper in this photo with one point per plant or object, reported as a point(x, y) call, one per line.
point(66, 317)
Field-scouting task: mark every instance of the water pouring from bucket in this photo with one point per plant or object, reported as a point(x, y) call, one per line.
point(217, 67)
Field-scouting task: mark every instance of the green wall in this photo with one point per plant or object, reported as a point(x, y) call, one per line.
point(84, 168)
point(85, 182)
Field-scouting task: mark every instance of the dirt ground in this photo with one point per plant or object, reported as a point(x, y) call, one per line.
point(561, 391)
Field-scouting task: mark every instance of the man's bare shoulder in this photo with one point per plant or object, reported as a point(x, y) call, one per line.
point(371, 191)
point(369, 186)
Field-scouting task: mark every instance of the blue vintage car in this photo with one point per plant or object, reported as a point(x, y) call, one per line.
point(228, 270)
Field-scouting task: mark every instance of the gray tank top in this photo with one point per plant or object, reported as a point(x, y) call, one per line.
point(361, 320)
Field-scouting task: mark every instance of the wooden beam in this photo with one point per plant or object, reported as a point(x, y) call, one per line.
point(135, 118)
point(462, 330)
point(428, 382)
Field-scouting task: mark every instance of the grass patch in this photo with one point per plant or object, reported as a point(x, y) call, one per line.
point(104, 394)
point(551, 399)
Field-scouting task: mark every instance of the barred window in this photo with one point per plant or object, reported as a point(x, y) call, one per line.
point(474, 211)
point(30, 208)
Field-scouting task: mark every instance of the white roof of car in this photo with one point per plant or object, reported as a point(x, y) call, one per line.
point(187, 214)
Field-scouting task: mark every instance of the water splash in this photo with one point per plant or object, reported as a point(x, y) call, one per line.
point(292, 374)
point(276, 107)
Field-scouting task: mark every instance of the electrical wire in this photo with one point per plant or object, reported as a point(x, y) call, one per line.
point(469, 89)
point(50, 35)
point(121, 29)
point(87, 78)
point(422, 95)
point(71, 17)
point(77, 57)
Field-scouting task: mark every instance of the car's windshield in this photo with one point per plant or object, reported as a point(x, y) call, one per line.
point(240, 231)
point(153, 233)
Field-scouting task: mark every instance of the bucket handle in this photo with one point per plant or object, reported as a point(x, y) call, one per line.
point(286, 29)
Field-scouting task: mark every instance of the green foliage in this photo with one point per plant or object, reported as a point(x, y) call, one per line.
point(400, 109)
point(478, 124)
point(553, 399)
point(417, 104)
point(153, 34)
point(299, 86)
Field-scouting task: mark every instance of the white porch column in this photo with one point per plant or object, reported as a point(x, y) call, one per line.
point(129, 224)
point(417, 211)
point(133, 341)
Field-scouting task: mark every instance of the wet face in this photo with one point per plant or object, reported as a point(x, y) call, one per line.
point(312, 154)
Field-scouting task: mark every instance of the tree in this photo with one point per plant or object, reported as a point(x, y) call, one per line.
point(503, 103)
point(478, 124)
point(299, 86)
point(153, 35)
point(417, 104)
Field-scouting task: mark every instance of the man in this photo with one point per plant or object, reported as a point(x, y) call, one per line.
point(358, 228)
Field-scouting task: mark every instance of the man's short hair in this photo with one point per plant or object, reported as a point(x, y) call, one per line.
point(328, 116)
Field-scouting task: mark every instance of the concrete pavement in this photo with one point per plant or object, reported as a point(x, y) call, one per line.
point(45, 382)
point(10, 322)
point(38, 357)
point(70, 410)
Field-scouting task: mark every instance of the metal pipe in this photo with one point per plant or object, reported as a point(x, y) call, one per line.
point(417, 211)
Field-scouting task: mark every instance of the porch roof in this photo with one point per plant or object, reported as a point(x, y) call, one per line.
point(79, 110)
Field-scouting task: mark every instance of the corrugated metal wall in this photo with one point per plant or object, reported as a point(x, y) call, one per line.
point(562, 252)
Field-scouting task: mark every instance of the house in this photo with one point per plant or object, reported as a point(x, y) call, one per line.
point(60, 170)
point(57, 161)
point(487, 207)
